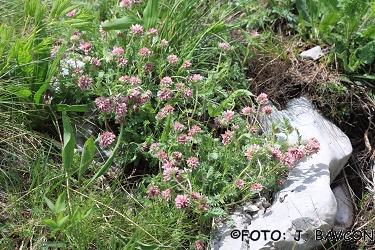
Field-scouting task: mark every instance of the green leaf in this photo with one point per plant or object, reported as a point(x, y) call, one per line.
point(214, 112)
point(50, 204)
point(60, 203)
point(108, 163)
point(167, 128)
point(74, 108)
point(120, 23)
point(87, 155)
point(367, 54)
point(69, 142)
point(328, 21)
point(52, 224)
point(150, 14)
point(62, 222)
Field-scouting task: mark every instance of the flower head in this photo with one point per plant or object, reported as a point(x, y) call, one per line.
point(166, 194)
point(164, 94)
point(312, 146)
point(137, 29)
point(186, 64)
point(181, 201)
point(227, 117)
point(103, 104)
point(144, 52)
point(164, 43)
point(224, 46)
point(267, 110)
point(118, 51)
point(178, 126)
point(239, 183)
point(256, 187)
point(86, 47)
point(84, 81)
point(166, 81)
point(72, 13)
point(153, 191)
point(192, 162)
point(227, 137)
point(172, 59)
point(263, 98)
point(107, 138)
point(251, 150)
point(247, 110)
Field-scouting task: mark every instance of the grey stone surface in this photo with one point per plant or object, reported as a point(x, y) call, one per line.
point(313, 53)
point(345, 210)
point(306, 202)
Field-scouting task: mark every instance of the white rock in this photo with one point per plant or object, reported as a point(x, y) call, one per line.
point(307, 202)
point(313, 53)
point(345, 210)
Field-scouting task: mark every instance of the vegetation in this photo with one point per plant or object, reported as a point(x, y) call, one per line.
point(134, 124)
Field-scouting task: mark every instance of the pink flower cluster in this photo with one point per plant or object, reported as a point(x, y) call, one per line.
point(262, 98)
point(224, 46)
point(107, 138)
point(165, 111)
point(251, 150)
point(256, 187)
point(192, 162)
point(195, 78)
point(137, 29)
point(86, 47)
point(164, 94)
point(84, 81)
point(166, 81)
point(172, 59)
point(181, 201)
point(247, 110)
point(153, 191)
point(227, 137)
point(120, 105)
point(296, 153)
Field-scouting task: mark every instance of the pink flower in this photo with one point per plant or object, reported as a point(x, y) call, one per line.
point(124, 79)
point(224, 46)
point(147, 67)
point(164, 94)
point(144, 52)
point(195, 78)
point(172, 59)
point(84, 81)
point(247, 110)
point(107, 138)
point(297, 152)
point(121, 62)
point(125, 3)
point(178, 126)
point(289, 160)
point(275, 153)
point(121, 109)
point(144, 147)
point(102, 31)
point(188, 93)
point(166, 194)
point(227, 117)
point(137, 29)
point(74, 37)
point(279, 182)
point(154, 146)
point(167, 163)
point(86, 47)
point(267, 110)
point(254, 33)
point(164, 112)
point(240, 183)
point(103, 104)
point(262, 98)
point(54, 50)
point(153, 191)
point(251, 150)
point(194, 129)
point(162, 156)
point(182, 139)
point(192, 162)
point(181, 201)
point(134, 80)
point(256, 187)
point(152, 31)
point(186, 64)
point(168, 173)
point(195, 196)
point(179, 85)
point(72, 13)
point(164, 43)
point(166, 81)
point(118, 51)
point(203, 206)
point(199, 245)
point(95, 61)
point(312, 146)
point(227, 137)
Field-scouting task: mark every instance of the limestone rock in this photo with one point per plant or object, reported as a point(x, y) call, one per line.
point(306, 202)
point(313, 53)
